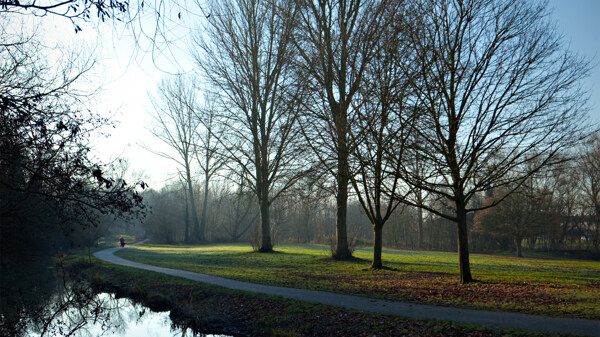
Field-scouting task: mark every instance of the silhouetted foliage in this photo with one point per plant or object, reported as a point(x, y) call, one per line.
point(48, 183)
point(73, 10)
point(245, 53)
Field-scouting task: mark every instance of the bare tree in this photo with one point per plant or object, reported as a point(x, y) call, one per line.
point(522, 214)
point(501, 99)
point(175, 110)
point(244, 51)
point(384, 113)
point(237, 206)
point(164, 222)
point(569, 197)
point(420, 196)
point(208, 151)
point(336, 40)
point(186, 220)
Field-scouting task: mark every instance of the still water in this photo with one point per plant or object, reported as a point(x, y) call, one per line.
point(106, 315)
point(37, 300)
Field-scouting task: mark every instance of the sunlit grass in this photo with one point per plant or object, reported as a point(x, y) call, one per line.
point(553, 287)
point(257, 314)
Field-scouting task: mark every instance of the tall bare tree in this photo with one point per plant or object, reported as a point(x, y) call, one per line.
point(336, 40)
point(501, 98)
point(176, 125)
point(208, 150)
point(383, 118)
point(245, 51)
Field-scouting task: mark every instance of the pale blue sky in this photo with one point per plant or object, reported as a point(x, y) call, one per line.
point(580, 22)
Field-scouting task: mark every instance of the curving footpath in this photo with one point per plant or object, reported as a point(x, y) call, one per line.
point(403, 309)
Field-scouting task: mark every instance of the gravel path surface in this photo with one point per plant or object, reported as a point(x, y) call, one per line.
point(404, 309)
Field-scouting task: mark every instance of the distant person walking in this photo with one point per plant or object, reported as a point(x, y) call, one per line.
point(122, 241)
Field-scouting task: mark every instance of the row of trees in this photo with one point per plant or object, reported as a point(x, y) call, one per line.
point(552, 211)
point(401, 101)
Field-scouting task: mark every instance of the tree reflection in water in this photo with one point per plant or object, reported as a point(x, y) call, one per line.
point(40, 301)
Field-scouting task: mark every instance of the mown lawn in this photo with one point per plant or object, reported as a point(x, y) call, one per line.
point(566, 288)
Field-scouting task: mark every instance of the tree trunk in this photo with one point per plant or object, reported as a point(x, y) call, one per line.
point(518, 247)
point(186, 238)
point(199, 234)
point(532, 241)
point(204, 205)
point(565, 228)
point(420, 210)
point(262, 189)
point(265, 226)
point(377, 245)
point(463, 243)
point(420, 228)
point(342, 251)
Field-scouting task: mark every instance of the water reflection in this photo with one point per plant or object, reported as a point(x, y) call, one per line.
point(105, 315)
point(41, 301)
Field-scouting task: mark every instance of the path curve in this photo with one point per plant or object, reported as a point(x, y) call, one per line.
point(403, 309)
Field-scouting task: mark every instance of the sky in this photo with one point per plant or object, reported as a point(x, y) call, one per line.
point(128, 72)
point(579, 20)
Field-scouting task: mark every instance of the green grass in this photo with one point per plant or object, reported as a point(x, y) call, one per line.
point(566, 288)
point(219, 310)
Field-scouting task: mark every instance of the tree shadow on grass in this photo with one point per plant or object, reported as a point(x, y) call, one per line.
point(267, 252)
point(352, 259)
point(384, 268)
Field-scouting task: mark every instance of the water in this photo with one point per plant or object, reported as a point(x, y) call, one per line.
point(106, 315)
point(39, 301)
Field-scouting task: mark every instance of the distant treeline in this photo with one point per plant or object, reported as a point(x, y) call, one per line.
point(550, 212)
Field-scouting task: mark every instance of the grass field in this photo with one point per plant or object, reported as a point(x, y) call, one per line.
point(566, 288)
point(215, 310)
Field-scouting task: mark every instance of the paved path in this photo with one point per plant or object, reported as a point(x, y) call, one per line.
point(489, 318)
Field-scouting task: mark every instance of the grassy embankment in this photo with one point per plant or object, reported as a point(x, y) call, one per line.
point(212, 309)
point(564, 288)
